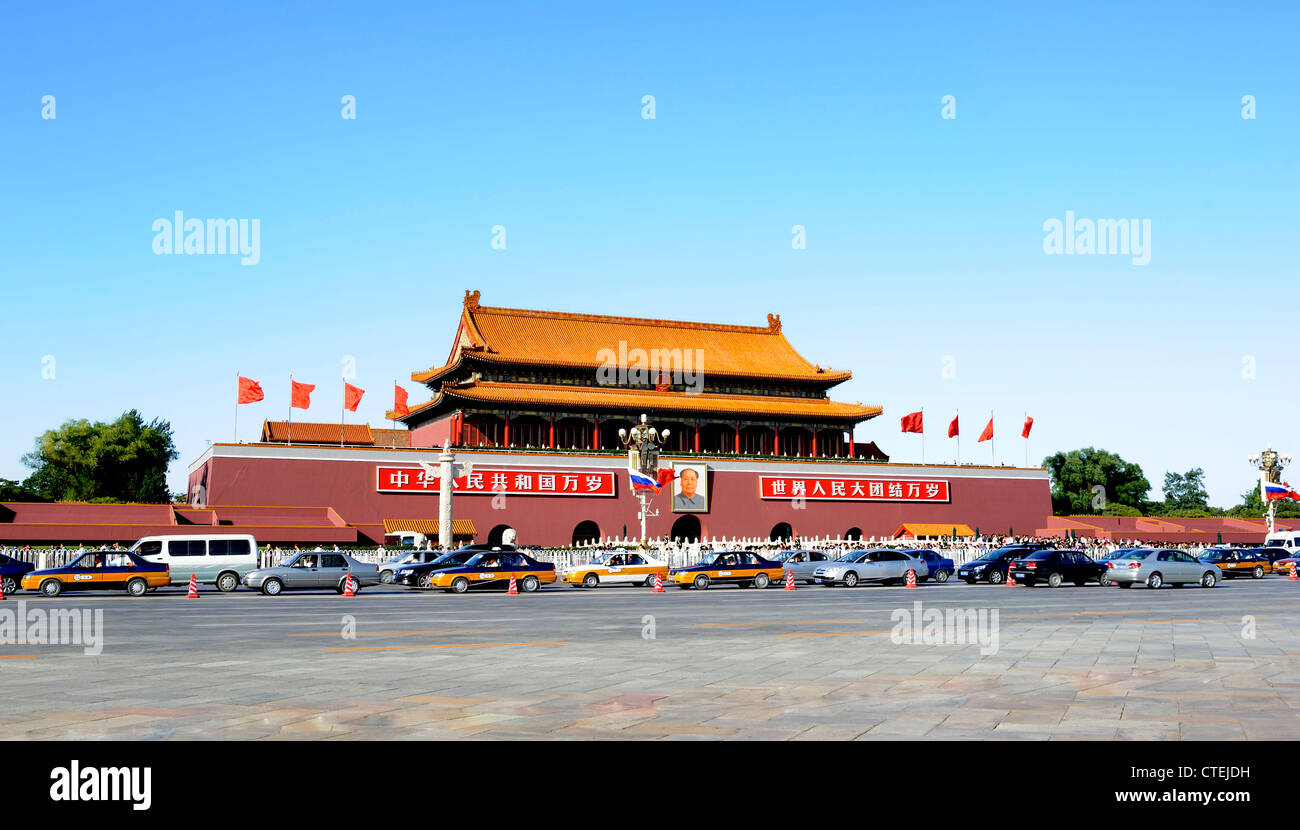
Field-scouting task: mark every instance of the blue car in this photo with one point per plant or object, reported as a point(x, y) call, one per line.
point(11, 573)
point(941, 567)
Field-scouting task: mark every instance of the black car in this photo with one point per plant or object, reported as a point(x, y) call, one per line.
point(421, 574)
point(992, 566)
point(12, 572)
point(1052, 567)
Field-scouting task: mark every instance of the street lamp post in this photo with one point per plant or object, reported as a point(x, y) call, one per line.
point(1270, 465)
point(643, 444)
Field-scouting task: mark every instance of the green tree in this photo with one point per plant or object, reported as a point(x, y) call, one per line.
point(18, 491)
point(1074, 474)
point(1186, 494)
point(125, 460)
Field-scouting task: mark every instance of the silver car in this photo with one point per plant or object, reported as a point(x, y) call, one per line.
point(312, 569)
point(1154, 567)
point(871, 566)
point(802, 563)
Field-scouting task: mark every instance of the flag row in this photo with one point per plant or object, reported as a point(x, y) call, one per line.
point(914, 422)
point(250, 391)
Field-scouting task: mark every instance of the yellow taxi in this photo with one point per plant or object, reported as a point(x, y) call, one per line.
point(733, 567)
point(617, 569)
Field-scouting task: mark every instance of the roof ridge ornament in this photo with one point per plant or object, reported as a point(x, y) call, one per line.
point(774, 323)
point(471, 299)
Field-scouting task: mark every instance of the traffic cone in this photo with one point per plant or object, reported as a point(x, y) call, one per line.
point(2, 588)
point(911, 578)
point(194, 588)
point(514, 589)
point(789, 581)
point(659, 584)
point(1011, 580)
point(1292, 577)
point(348, 590)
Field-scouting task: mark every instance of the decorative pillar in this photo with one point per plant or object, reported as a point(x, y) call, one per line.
point(552, 432)
point(776, 440)
point(850, 443)
point(507, 437)
point(736, 442)
point(445, 459)
point(697, 436)
point(814, 447)
point(595, 433)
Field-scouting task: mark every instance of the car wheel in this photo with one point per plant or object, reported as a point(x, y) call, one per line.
point(1155, 580)
point(459, 585)
point(762, 581)
point(272, 587)
point(942, 577)
point(1053, 580)
point(1208, 579)
point(996, 577)
point(529, 584)
point(227, 582)
point(8, 585)
point(1104, 580)
point(425, 581)
point(850, 579)
point(590, 581)
point(386, 577)
point(137, 587)
point(51, 587)
point(343, 585)
point(701, 582)
point(650, 581)
point(1259, 572)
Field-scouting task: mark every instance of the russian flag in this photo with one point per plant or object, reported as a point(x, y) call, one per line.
point(641, 481)
point(1273, 491)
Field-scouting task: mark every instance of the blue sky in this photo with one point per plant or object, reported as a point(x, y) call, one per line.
point(924, 234)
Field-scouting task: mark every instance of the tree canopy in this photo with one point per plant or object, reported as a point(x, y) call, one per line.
point(1186, 492)
point(125, 460)
point(1074, 474)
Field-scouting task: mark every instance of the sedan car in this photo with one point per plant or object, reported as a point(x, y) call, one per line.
point(941, 567)
point(313, 569)
point(12, 572)
point(388, 570)
point(885, 566)
point(617, 569)
point(1053, 567)
point(98, 570)
point(493, 569)
point(1234, 562)
point(992, 566)
point(1154, 567)
point(802, 563)
point(744, 568)
point(420, 574)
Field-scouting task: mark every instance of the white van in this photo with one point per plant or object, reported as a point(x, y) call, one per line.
point(1289, 539)
point(218, 559)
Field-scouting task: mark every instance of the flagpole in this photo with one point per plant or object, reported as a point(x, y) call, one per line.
point(1026, 442)
point(236, 407)
point(392, 425)
point(959, 438)
point(923, 436)
point(342, 409)
point(290, 438)
point(993, 444)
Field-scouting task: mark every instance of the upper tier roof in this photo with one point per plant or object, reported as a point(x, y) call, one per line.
point(551, 338)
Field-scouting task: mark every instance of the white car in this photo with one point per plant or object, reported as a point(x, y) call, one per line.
point(616, 568)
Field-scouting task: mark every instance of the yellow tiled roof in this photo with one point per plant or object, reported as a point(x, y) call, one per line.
point(922, 529)
point(550, 338)
point(429, 527)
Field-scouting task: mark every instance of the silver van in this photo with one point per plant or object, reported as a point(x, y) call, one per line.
point(217, 559)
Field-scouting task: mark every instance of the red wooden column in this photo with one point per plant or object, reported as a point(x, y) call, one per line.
point(850, 443)
point(595, 433)
point(507, 436)
point(776, 440)
point(814, 450)
point(697, 436)
point(736, 427)
point(552, 441)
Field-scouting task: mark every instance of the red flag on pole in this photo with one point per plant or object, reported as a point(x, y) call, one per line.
point(912, 422)
point(399, 401)
point(250, 391)
point(1029, 424)
point(300, 394)
point(351, 396)
point(987, 434)
point(952, 428)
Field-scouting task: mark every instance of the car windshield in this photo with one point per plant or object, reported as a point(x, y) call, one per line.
point(1135, 554)
point(998, 554)
point(1275, 543)
point(855, 556)
point(780, 557)
point(1040, 554)
point(1215, 555)
point(489, 559)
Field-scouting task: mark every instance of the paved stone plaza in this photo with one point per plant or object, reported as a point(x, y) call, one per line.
point(1071, 663)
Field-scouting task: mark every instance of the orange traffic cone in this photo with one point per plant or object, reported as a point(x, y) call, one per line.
point(194, 588)
point(659, 584)
point(348, 590)
point(1011, 579)
point(514, 589)
point(2, 587)
point(789, 581)
point(1292, 577)
point(911, 578)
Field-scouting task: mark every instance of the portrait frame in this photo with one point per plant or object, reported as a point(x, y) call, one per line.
point(701, 476)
